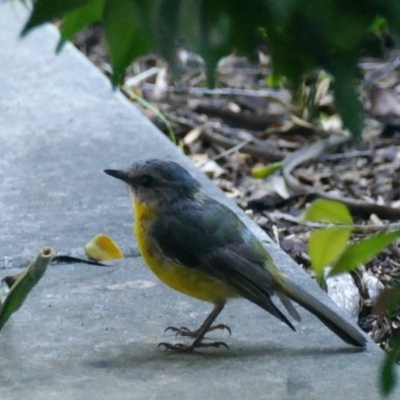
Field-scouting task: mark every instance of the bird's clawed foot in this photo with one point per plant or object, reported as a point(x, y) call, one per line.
point(183, 348)
point(198, 334)
point(183, 331)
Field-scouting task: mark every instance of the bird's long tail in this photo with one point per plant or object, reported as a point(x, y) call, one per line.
point(336, 323)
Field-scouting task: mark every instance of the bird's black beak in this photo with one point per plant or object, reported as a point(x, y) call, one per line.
point(122, 175)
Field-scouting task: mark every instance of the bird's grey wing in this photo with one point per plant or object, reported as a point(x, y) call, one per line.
point(239, 266)
point(189, 231)
point(212, 238)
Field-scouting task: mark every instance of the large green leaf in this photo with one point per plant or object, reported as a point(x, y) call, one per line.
point(128, 31)
point(328, 211)
point(48, 10)
point(325, 246)
point(79, 18)
point(388, 376)
point(362, 251)
point(309, 29)
point(346, 98)
point(389, 368)
point(167, 31)
point(226, 26)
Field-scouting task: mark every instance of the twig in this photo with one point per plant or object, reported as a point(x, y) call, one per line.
point(231, 150)
point(356, 228)
point(135, 80)
point(380, 72)
point(298, 157)
point(258, 150)
point(351, 154)
point(267, 93)
point(255, 123)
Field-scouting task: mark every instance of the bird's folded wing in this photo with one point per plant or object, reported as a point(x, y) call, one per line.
point(241, 267)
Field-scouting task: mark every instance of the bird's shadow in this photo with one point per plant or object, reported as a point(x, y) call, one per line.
point(137, 354)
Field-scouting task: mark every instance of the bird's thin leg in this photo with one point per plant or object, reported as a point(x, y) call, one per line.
point(183, 331)
point(204, 328)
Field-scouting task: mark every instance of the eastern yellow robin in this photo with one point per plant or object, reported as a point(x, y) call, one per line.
point(199, 247)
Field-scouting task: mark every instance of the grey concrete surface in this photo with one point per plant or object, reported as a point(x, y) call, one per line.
point(92, 333)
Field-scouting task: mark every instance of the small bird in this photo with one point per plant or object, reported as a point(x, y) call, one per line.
point(201, 248)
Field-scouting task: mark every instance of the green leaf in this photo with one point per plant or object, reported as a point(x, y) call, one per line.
point(388, 376)
point(79, 18)
point(226, 25)
point(48, 10)
point(24, 283)
point(347, 101)
point(166, 32)
point(389, 368)
point(327, 211)
point(379, 25)
point(275, 81)
point(362, 251)
point(268, 170)
point(128, 30)
point(326, 245)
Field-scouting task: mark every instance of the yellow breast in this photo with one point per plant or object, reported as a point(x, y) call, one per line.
point(187, 280)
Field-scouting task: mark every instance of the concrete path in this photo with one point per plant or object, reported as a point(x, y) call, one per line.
point(92, 333)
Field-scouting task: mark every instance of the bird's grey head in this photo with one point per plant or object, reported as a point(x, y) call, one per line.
point(156, 182)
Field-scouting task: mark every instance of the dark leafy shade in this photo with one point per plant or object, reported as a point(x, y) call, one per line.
point(128, 30)
point(78, 19)
point(301, 35)
point(389, 369)
point(167, 32)
point(346, 99)
point(48, 10)
point(228, 25)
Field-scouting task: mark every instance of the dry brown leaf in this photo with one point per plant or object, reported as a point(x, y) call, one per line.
point(384, 102)
point(192, 136)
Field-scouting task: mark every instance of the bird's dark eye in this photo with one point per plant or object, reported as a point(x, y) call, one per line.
point(146, 181)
